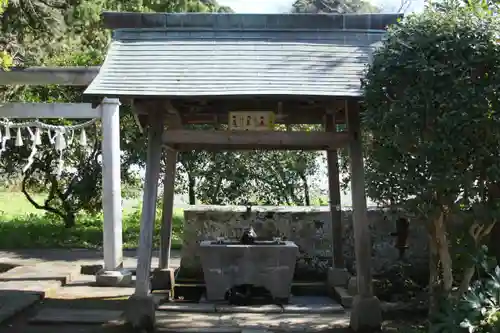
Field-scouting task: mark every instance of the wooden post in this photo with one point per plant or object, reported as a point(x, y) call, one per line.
point(111, 184)
point(334, 195)
point(142, 287)
point(366, 312)
point(168, 209)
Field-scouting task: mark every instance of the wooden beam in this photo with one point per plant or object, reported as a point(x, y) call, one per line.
point(366, 311)
point(361, 226)
point(168, 209)
point(49, 110)
point(174, 121)
point(334, 194)
point(248, 140)
point(65, 76)
point(148, 215)
point(298, 111)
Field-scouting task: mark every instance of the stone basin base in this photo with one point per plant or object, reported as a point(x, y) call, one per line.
point(265, 265)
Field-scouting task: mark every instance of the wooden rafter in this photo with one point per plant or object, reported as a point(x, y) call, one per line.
point(248, 140)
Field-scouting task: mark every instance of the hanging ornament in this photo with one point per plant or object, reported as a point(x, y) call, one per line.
point(7, 132)
point(19, 138)
point(60, 164)
point(69, 140)
point(83, 138)
point(60, 142)
point(38, 137)
point(31, 158)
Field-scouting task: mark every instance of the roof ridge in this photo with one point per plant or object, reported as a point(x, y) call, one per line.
point(225, 21)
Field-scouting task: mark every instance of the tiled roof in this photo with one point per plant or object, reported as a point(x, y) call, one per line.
point(234, 54)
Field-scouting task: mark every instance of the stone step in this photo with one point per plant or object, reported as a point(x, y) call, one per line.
point(13, 302)
point(297, 305)
point(342, 295)
point(75, 316)
point(39, 272)
point(180, 322)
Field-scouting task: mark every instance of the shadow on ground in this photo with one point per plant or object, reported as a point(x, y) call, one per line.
point(99, 306)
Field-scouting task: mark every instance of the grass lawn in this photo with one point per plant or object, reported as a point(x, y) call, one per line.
point(23, 226)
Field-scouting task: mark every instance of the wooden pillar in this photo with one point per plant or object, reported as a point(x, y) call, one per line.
point(168, 208)
point(111, 184)
point(334, 196)
point(366, 312)
point(148, 215)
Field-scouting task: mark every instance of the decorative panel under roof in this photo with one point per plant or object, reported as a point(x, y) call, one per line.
point(203, 55)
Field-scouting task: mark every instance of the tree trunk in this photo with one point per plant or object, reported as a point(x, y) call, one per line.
point(494, 244)
point(466, 279)
point(307, 197)
point(191, 188)
point(69, 220)
point(444, 254)
point(433, 270)
point(477, 233)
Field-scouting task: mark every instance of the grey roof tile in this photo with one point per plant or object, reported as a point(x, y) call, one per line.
point(194, 62)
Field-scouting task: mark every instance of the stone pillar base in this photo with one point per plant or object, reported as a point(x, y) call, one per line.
point(163, 279)
point(338, 277)
point(366, 314)
point(140, 312)
point(119, 278)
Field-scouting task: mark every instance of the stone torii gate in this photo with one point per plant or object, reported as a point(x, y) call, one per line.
point(108, 112)
point(179, 69)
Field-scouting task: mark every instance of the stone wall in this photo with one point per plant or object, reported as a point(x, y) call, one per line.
point(308, 227)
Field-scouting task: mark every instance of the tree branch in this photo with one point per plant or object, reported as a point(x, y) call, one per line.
point(45, 207)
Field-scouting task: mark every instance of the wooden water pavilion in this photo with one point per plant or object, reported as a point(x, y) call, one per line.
point(181, 69)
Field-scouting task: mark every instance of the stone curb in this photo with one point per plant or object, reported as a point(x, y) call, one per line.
point(22, 292)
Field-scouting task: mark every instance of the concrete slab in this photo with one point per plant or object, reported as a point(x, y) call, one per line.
point(43, 288)
point(77, 257)
point(286, 321)
point(75, 316)
point(198, 322)
point(188, 307)
point(269, 308)
point(13, 302)
point(177, 320)
point(200, 330)
point(43, 271)
point(312, 304)
point(121, 278)
point(84, 286)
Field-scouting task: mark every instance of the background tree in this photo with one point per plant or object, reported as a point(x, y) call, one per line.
point(77, 39)
point(72, 34)
point(433, 122)
point(333, 6)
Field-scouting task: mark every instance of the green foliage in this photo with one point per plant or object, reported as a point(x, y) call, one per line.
point(432, 107)
point(333, 6)
point(46, 231)
point(257, 177)
point(79, 187)
point(5, 58)
point(432, 123)
point(70, 33)
point(477, 312)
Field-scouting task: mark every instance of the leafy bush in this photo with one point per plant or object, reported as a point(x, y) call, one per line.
point(48, 231)
point(477, 312)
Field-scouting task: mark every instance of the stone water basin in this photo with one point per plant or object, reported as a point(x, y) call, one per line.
point(267, 264)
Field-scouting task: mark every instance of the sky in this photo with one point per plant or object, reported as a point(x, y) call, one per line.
point(283, 6)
